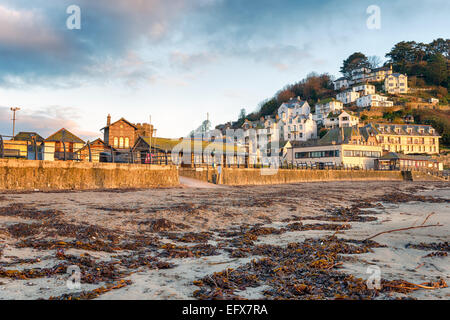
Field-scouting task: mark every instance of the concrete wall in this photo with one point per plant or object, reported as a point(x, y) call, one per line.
point(61, 175)
point(202, 175)
point(254, 176)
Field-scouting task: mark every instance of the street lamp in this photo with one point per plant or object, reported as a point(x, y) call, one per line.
point(14, 119)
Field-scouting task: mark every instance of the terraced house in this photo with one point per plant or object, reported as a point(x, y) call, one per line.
point(396, 84)
point(406, 138)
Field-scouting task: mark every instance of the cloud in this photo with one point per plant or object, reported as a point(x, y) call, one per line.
point(17, 26)
point(44, 121)
point(36, 47)
point(186, 61)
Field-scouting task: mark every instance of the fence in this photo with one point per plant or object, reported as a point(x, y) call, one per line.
point(66, 151)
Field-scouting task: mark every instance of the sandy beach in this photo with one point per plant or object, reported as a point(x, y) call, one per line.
point(297, 241)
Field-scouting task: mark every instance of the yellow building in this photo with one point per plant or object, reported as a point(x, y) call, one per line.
point(351, 147)
point(15, 149)
point(406, 138)
point(380, 74)
point(62, 145)
point(396, 84)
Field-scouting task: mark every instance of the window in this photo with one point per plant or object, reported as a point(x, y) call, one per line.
point(365, 154)
point(127, 142)
point(317, 154)
point(116, 142)
point(121, 142)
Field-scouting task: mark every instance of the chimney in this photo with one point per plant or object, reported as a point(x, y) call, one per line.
point(108, 120)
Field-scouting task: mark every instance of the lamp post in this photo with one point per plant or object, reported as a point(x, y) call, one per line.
point(14, 120)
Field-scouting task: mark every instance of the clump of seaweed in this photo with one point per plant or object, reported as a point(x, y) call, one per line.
point(298, 271)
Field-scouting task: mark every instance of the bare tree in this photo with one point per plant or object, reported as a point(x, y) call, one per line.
point(374, 62)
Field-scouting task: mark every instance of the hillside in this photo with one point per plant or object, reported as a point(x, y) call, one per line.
point(427, 67)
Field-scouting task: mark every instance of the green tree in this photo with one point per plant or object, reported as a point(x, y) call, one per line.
point(441, 46)
point(242, 114)
point(355, 61)
point(268, 107)
point(436, 72)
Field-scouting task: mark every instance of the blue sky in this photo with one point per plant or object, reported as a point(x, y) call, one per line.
point(177, 60)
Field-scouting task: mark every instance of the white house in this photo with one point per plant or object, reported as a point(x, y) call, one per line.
point(341, 83)
point(298, 128)
point(396, 83)
point(348, 96)
point(324, 108)
point(340, 120)
point(361, 74)
point(433, 101)
point(364, 89)
point(373, 100)
point(292, 108)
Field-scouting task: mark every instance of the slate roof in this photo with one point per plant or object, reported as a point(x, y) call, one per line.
point(401, 156)
point(334, 135)
point(64, 135)
point(169, 144)
point(121, 119)
point(26, 136)
point(403, 129)
point(293, 102)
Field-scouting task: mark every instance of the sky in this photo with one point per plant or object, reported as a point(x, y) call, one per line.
point(175, 61)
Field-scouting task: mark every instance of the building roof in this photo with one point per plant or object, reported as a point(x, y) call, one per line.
point(300, 144)
point(293, 102)
point(64, 135)
point(382, 69)
point(169, 144)
point(27, 136)
point(403, 129)
point(121, 119)
point(401, 156)
point(335, 135)
point(98, 140)
point(397, 75)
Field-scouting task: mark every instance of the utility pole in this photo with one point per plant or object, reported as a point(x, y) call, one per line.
point(14, 120)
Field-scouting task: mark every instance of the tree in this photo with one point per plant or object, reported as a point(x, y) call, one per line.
point(440, 46)
point(285, 95)
point(268, 107)
point(242, 114)
point(405, 53)
point(356, 61)
point(374, 62)
point(437, 69)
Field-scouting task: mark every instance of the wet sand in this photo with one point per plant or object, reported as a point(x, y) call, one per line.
point(168, 243)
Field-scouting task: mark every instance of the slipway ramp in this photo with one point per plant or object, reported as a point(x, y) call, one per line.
point(194, 183)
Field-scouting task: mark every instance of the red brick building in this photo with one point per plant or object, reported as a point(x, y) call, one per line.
point(123, 134)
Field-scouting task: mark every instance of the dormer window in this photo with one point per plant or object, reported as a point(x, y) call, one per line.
point(431, 131)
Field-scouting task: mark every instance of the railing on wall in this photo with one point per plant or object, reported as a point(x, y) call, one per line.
point(35, 150)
